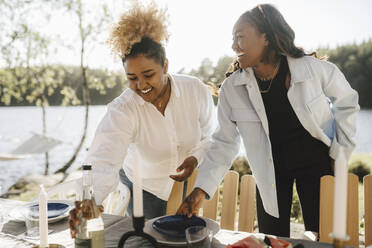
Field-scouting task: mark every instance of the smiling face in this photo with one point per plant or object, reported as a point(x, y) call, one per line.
point(248, 44)
point(146, 77)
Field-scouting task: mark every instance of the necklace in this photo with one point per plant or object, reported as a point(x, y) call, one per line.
point(163, 96)
point(267, 79)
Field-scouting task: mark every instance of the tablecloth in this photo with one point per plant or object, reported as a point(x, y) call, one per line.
point(115, 226)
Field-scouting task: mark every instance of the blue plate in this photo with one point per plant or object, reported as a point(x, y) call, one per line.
point(55, 209)
point(175, 225)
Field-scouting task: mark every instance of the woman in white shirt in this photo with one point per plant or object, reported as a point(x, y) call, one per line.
point(162, 123)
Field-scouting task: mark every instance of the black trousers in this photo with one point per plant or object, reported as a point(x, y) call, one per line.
point(308, 189)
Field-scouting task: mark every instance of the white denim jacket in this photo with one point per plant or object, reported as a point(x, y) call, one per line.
point(323, 101)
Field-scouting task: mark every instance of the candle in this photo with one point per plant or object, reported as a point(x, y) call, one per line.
point(137, 192)
point(340, 199)
point(43, 217)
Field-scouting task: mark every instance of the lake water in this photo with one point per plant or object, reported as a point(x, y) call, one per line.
point(66, 124)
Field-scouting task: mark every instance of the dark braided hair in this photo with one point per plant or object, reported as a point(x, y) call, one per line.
point(268, 20)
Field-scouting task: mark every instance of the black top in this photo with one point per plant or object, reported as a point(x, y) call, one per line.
point(292, 145)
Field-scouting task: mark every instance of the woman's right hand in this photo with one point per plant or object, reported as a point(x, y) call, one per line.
point(74, 220)
point(187, 167)
point(82, 209)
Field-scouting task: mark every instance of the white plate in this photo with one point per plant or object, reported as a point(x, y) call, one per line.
point(172, 241)
point(16, 214)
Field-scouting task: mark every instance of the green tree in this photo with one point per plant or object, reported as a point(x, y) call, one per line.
point(90, 21)
point(355, 61)
point(209, 73)
point(25, 53)
point(205, 70)
point(220, 69)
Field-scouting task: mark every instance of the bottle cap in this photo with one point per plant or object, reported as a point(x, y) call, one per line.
point(87, 167)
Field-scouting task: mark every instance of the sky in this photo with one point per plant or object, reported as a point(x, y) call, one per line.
point(202, 29)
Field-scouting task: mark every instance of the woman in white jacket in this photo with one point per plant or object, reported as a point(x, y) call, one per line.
point(295, 114)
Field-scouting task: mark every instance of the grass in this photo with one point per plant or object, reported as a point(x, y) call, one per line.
point(366, 159)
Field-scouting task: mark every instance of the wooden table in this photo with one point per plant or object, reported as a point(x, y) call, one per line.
point(115, 226)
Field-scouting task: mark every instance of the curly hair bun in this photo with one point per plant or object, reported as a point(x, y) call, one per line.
point(136, 23)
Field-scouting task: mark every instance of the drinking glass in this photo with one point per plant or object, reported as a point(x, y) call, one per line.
point(2, 219)
point(198, 237)
point(32, 224)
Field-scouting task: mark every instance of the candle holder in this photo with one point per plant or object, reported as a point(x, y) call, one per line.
point(338, 242)
point(138, 224)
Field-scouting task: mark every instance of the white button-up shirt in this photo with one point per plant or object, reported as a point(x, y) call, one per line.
point(134, 133)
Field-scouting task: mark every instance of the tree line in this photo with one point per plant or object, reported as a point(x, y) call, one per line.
point(355, 61)
point(104, 85)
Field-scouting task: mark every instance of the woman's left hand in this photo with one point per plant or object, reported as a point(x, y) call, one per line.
point(188, 167)
point(192, 203)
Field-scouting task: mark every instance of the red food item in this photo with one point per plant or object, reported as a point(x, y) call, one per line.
point(278, 243)
point(248, 242)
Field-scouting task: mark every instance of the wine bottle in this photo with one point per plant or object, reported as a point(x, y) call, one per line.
point(90, 231)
